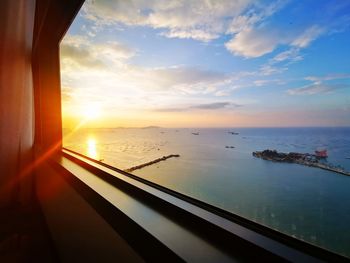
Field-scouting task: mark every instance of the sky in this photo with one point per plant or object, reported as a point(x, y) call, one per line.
point(207, 63)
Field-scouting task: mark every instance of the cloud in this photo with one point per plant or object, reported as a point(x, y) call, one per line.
point(306, 37)
point(314, 89)
point(320, 85)
point(187, 75)
point(245, 20)
point(291, 55)
point(89, 67)
point(264, 82)
point(316, 79)
point(175, 79)
point(241, 23)
point(212, 106)
point(171, 109)
point(111, 60)
point(251, 35)
point(205, 106)
point(200, 20)
point(283, 59)
point(267, 70)
point(251, 43)
point(254, 37)
point(77, 51)
point(197, 34)
point(73, 55)
point(257, 14)
point(222, 93)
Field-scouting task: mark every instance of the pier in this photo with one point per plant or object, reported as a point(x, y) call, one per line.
point(137, 167)
point(306, 159)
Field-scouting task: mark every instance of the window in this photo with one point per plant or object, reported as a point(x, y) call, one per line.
point(189, 95)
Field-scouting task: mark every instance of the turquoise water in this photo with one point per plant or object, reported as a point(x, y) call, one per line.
point(308, 203)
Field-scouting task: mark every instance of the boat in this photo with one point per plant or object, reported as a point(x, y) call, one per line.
point(321, 153)
point(233, 133)
point(195, 133)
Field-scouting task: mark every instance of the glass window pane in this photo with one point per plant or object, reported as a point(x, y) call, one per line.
point(190, 94)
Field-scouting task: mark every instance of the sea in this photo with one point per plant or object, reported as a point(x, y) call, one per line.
point(307, 203)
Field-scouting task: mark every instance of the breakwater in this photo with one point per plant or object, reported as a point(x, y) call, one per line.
point(306, 159)
point(137, 167)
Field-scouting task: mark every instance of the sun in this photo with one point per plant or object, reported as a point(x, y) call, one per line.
point(91, 111)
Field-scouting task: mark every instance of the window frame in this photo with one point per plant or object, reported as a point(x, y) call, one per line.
point(230, 233)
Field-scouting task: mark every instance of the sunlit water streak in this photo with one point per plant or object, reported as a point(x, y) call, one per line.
point(91, 148)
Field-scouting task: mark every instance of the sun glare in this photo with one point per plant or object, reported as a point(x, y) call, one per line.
point(90, 112)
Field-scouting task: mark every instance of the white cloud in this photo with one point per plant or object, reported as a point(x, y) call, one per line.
point(318, 86)
point(184, 79)
point(79, 52)
point(318, 79)
point(252, 38)
point(315, 89)
point(305, 38)
point(254, 16)
point(245, 20)
point(82, 60)
point(291, 55)
point(252, 42)
point(197, 34)
point(178, 18)
point(222, 93)
point(72, 56)
point(90, 68)
point(241, 23)
point(267, 70)
point(204, 106)
point(264, 82)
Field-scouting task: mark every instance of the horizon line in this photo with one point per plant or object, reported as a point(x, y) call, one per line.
point(222, 127)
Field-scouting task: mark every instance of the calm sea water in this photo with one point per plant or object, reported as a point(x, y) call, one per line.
point(308, 203)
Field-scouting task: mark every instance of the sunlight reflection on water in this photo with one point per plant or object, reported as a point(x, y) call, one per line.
point(91, 148)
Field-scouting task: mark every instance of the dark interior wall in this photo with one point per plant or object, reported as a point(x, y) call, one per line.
point(16, 100)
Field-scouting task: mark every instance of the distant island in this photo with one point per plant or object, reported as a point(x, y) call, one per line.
point(150, 127)
point(306, 159)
